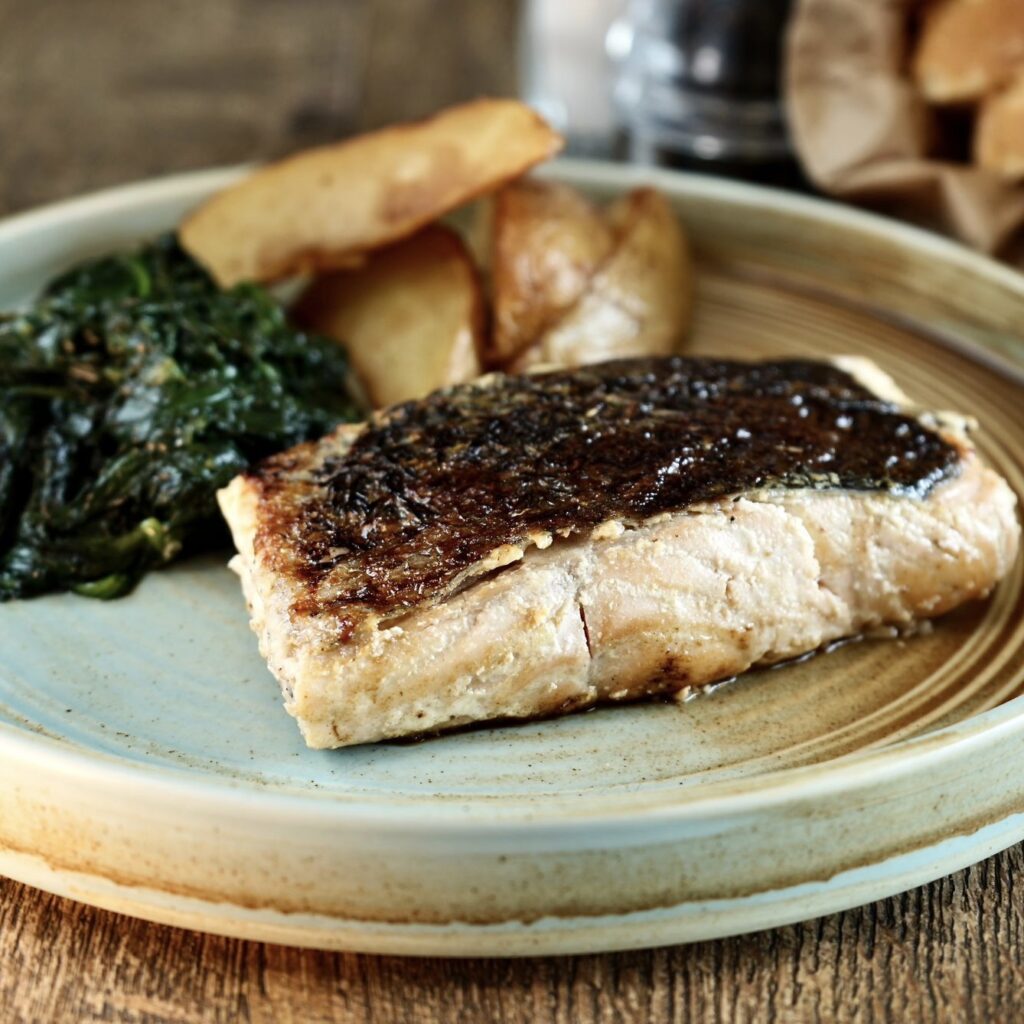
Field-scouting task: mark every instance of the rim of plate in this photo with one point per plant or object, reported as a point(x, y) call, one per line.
point(536, 810)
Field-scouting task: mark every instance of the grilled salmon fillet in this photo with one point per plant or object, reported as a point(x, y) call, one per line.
point(524, 546)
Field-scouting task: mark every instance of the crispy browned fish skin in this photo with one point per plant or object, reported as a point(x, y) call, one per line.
point(684, 542)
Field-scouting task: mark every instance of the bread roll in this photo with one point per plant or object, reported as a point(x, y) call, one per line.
point(968, 48)
point(999, 130)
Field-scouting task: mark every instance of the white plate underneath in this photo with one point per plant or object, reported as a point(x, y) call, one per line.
point(146, 764)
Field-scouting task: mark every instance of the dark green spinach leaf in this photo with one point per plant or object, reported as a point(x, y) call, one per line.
point(129, 393)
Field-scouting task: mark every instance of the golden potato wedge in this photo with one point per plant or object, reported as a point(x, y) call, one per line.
point(546, 242)
point(321, 208)
point(411, 318)
point(638, 302)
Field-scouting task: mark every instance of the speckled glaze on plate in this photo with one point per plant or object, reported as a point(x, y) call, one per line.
point(146, 764)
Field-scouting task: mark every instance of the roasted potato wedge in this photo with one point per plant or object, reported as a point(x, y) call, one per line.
point(638, 302)
point(411, 317)
point(546, 241)
point(322, 208)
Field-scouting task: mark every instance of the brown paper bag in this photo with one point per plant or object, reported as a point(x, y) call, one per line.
point(862, 132)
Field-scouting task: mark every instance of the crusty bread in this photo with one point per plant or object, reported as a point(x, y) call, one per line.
point(999, 132)
point(968, 48)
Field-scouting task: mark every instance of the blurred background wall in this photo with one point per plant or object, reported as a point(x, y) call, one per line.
point(99, 92)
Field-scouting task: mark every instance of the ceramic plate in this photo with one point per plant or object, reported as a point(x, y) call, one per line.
point(146, 764)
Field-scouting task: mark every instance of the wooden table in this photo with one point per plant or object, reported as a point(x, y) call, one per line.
point(98, 93)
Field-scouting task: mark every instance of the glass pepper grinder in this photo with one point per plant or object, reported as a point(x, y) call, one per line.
point(699, 87)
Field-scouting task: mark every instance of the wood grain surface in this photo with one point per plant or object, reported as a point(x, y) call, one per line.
point(951, 951)
point(97, 93)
